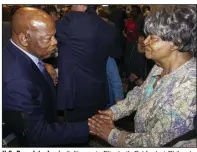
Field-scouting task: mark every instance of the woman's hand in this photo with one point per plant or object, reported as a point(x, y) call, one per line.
point(106, 114)
point(100, 126)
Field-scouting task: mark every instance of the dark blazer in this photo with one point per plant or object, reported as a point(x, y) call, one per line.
point(84, 43)
point(26, 89)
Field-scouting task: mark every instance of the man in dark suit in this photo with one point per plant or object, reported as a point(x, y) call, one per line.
point(85, 42)
point(27, 87)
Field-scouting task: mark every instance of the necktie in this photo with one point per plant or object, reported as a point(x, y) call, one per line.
point(41, 66)
point(44, 72)
point(46, 75)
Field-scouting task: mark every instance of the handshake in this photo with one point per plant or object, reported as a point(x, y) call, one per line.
point(101, 123)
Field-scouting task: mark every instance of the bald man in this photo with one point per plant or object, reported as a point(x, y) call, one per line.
point(28, 88)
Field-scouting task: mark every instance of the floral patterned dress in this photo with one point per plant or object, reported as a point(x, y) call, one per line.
point(163, 113)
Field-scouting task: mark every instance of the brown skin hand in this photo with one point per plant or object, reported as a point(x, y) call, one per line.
point(100, 126)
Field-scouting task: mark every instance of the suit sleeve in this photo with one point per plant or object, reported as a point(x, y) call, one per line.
point(20, 95)
point(60, 30)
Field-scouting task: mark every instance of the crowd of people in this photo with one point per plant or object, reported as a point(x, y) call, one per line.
point(68, 72)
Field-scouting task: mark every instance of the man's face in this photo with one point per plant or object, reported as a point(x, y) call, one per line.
point(42, 42)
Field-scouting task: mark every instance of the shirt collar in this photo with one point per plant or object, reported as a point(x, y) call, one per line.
point(33, 58)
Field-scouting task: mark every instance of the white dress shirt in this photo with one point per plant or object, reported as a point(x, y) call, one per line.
point(33, 58)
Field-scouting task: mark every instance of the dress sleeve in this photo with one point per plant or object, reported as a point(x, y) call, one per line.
point(132, 100)
point(128, 105)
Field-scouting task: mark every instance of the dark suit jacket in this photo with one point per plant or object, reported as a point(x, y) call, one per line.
point(84, 43)
point(25, 89)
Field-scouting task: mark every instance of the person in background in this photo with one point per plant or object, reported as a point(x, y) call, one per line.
point(117, 16)
point(27, 86)
point(84, 47)
point(114, 81)
point(145, 10)
point(166, 102)
point(134, 61)
point(52, 11)
point(65, 10)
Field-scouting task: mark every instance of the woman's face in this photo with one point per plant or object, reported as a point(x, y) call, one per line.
point(157, 49)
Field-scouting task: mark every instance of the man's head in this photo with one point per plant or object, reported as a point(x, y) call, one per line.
point(33, 30)
point(81, 8)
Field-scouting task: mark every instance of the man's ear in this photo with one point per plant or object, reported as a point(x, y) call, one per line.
point(23, 39)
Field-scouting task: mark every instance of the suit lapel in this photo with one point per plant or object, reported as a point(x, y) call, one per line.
point(31, 67)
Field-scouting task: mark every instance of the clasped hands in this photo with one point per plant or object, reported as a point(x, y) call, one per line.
point(101, 124)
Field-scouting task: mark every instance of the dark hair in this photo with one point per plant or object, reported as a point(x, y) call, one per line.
point(5, 14)
point(137, 8)
point(145, 7)
point(91, 8)
point(50, 9)
point(176, 24)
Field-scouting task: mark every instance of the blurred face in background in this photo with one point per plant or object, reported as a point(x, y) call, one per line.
point(81, 8)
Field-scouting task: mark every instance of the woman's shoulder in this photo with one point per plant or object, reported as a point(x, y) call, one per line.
point(189, 69)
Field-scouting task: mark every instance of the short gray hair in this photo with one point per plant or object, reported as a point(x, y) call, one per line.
point(176, 24)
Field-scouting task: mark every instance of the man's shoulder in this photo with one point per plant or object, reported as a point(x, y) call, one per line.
point(8, 55)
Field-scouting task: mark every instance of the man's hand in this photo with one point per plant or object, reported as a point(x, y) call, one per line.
point(100, 126)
